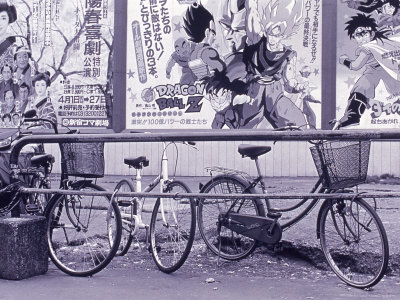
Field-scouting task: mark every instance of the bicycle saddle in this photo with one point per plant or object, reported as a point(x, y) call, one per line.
point(138, 163)
point(253, 151)
point(42, 159)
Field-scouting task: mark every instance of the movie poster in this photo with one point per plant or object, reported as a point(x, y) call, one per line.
point(227, 64)
point(368, 85)
point(56, 58)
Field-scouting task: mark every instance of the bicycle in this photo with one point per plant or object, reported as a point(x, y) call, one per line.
point(35, 169)
point(233, 228)
point(173, 220)
point(78, 226)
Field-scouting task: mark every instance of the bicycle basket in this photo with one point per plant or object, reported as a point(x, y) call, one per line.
point(341, 164)
point(82, 159)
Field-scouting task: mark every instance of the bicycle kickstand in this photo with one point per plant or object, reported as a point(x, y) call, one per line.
point(219, 242)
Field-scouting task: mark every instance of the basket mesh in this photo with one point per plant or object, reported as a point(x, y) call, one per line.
point(341, 164)
point(82, 159)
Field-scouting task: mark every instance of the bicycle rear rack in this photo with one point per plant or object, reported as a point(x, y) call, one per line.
point(228, 171)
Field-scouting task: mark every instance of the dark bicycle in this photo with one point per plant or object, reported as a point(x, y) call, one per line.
point(351, 234)
point(79, 225)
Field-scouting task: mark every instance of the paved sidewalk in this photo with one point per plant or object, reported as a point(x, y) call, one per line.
point(152, 284)
point(135, 276)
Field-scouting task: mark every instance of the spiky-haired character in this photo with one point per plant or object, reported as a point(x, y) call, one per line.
point(365, 6)
point(271, 65)
point(200, 27)
point(198, 23)
point(227, 92)
point(372, 42)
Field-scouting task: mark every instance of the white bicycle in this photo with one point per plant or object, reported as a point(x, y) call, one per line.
point(173, 221)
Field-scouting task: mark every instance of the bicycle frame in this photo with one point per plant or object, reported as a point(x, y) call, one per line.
point(259, 180)
point(162, 179)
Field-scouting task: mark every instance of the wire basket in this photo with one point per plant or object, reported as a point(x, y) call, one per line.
point(341, 164)
point(82, 159)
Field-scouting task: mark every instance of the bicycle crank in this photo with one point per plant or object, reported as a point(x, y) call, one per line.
point(256, 227)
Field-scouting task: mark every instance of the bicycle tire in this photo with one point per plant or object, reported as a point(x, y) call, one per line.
point(171, 242)
point(228, 244)
point(344, 226)
point(78, 231)
point(128, 223)
point(39, 199)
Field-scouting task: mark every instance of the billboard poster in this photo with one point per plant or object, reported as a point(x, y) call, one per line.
point(234, 64)
point(56, 57)
point(368, 85)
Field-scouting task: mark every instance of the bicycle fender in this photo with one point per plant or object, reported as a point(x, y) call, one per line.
point(77, 185)
point(326, 202)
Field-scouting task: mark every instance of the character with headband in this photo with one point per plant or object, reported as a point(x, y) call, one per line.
point(370, 56)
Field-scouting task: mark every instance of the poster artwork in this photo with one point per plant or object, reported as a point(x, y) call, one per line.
point(201, 65)
point(56, 58)
point(368, 86)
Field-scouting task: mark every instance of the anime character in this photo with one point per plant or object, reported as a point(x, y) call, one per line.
point(365, 6)
point(372, 44)
point(181, 56)
point(271, 65)
point(7, 83)
point(226, 97)
point(306, 98)
point(200, 27)
point(389, 16)
point(228, 93)
point(23, 72)
point(233, 23)
point(8, 15)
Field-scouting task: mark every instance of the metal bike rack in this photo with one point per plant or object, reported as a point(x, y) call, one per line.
point(231, 135)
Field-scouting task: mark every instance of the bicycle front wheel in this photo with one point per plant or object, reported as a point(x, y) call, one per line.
point(78, 231)
point(223, 241)
point(172, 228)
point(354, 241)
point(127, 211)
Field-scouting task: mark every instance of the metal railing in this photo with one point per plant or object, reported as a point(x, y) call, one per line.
point(231, 135)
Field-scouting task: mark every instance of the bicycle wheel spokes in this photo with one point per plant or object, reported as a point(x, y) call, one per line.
point(38, 198)
point(221, 240)
point(127, 209)
point(354, 242)
point(78, 233)
point(172, 229)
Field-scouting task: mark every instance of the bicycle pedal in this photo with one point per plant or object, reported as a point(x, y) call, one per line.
point(274, 215)
point(124, 203)
point(32, 208)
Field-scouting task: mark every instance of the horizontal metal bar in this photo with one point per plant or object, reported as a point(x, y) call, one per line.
point(214, 196)
point(211, 135)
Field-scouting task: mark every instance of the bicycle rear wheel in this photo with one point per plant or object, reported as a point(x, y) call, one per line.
point(127, 210)
point(354, 241)
point(39, 199)
point(78, 231)
point(223, 241)
point(172, 228)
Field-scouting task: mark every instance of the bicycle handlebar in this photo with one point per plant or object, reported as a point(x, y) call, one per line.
point(53, 124)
